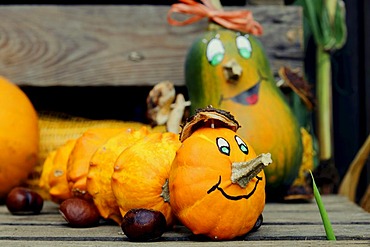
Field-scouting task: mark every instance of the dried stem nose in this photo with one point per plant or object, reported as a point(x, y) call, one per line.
point(232, 71)
point(243, 172)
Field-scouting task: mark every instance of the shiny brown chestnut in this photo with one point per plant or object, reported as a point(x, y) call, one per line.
point(22, 201)
point(79, 212)
point(258, 223)
point(142, 225)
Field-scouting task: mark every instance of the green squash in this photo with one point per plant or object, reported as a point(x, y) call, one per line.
point(213, 77)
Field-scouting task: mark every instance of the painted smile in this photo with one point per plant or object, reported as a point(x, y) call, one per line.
point(249, 96)
point(234, 198)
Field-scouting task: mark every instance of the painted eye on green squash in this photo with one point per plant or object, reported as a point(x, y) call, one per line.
point(215, 51)
point(244, 46)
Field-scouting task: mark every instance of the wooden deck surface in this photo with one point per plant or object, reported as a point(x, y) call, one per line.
point(284, 225)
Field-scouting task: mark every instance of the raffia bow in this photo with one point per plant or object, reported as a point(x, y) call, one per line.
point(239, 20)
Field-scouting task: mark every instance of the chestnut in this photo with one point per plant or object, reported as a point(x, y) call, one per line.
point(79, 212)
point(143, 224)
point(258, 223)
point(22, 200)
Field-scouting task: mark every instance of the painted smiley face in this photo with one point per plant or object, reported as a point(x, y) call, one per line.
point(225, 149)
point(234, 198)
point(216, 169)
point(216, 51)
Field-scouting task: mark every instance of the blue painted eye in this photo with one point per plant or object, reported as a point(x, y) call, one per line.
point(244, 46)
point(243, 147)
point(215, 51)
point(223, 146)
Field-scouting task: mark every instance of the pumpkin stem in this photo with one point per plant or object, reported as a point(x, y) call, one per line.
point(212, 25)
point(212, 124)
point(217, 4)
point(177, 113)
point(243, 172)
point(165, 192)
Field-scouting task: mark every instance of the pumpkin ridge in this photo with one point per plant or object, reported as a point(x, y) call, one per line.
point(186, 211)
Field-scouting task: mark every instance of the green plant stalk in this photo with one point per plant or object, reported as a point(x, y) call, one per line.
point(212, 25)
point(324, 102)
point(324, 215)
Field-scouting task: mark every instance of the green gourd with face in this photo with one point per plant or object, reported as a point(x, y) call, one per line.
point(230, 70)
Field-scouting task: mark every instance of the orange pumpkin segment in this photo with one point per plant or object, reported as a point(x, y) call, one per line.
point(101, 170)
point(19, 137)
point(46, 170)
point(202, 193)
point(222, 194)
point(141, 172)
point(79, 160)
point(59, 189)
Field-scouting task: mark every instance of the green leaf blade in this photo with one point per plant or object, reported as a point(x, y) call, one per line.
point(324, 215)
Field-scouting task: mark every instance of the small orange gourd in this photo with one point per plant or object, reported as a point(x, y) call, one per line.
point(47, 167)
point(58, 183)
point(141, 173)
point(216, 183)
point(101, 171)
point(79, 159)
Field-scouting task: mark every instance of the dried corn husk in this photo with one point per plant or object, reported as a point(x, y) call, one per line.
point(56, 129)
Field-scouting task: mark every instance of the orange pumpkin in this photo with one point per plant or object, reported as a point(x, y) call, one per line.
point(19, 136)
point(141, 172)
point(101, 170)
point(58, 183)
point(211, 191)
point(47, 167)
point(79, 159)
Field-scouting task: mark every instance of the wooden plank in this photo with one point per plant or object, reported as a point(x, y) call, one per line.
point(313, 217)
point(84, 45)
point(114, 233)
point(334, 203)
point(291, 224)
point(340, 211)
point(270, 218)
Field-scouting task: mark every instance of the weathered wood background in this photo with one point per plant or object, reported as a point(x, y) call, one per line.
point(120, 45)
